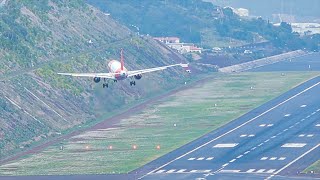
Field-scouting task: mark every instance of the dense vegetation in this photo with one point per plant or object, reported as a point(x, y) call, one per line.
point(198, 22)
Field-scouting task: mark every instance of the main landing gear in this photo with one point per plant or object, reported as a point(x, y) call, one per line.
point(132, 83)
point(105, 85)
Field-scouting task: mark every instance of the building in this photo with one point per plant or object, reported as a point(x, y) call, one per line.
point(174, 43)
point(185, 47)
point(167, 40)
point(239, 11)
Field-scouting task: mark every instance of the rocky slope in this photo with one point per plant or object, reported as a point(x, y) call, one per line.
point(39, 39)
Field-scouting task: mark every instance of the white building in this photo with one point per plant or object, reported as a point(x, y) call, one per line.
point(185, 47)
point(167, 40)
point(240, 11)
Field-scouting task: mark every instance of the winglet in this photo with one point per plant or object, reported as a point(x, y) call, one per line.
point(122, 61)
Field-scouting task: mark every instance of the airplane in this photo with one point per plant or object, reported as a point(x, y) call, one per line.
point(117, 71)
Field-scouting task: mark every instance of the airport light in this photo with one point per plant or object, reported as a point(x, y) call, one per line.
point(110, 147)
point(134, 147)
point(87, 147)
point(158, 147)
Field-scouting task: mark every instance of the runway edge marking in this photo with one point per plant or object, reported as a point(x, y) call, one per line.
point(283, 102)
point(295, 160)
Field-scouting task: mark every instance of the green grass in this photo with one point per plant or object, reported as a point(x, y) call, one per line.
point(195, 112)
point(315, 167)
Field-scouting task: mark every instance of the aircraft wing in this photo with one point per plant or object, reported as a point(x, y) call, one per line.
point(93, 75)
point(133, 73)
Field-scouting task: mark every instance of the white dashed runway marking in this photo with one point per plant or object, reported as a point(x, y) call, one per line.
point(161, 171)
point(229, 171)
point(209, 158)
point(181, 170)
point(266, 125)
point(200, 158)
point(170, 171)
point(239, 156)
point(273, 158)
point(306, 135)
point(260, 170)
point(303, 106)
point(287, 115)
point(271, 171)
point(247, 135)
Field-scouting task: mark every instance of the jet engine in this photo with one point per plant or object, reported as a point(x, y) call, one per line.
point(96, 79)
point(138, 76)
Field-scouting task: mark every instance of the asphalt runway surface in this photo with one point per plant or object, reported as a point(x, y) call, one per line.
point(309, 62)
point(274, 141)
point(277, 140)
point(262, 144)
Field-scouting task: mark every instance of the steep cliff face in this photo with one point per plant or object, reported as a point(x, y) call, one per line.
point(39, 39)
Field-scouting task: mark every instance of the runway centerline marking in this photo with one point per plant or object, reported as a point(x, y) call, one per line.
point(230, 131)
point(239, 156)
point(303, 106)
point(209, 158)
point(289, 164)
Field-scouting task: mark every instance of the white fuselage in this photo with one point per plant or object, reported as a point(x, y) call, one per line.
point(114, 66)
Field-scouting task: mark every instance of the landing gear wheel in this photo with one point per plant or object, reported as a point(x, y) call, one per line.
point(105, 85)
point(132, 83)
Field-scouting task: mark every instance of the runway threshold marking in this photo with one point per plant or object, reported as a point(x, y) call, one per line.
point(294, 145)
point(181, 170)
point(295, 160)
point(227, 145)
point(230, 131)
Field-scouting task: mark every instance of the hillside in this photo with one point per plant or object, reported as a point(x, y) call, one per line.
point(39, 39)
point(200, 22)
point(192, 21)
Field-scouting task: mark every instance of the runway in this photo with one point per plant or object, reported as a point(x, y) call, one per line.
point(267, 143)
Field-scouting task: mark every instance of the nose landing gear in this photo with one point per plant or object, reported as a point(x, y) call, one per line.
point(132, 83)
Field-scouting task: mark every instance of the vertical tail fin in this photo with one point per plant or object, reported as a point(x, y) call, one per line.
point(122, 60)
